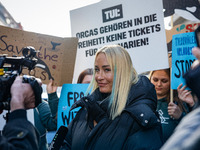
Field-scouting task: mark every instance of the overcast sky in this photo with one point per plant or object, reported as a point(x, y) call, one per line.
point(45, 16)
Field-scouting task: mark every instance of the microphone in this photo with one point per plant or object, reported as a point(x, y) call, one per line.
point(58, 138)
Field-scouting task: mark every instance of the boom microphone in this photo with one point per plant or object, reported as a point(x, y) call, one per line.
point(58, 138)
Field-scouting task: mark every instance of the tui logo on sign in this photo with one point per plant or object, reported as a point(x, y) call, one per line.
point(112, 13)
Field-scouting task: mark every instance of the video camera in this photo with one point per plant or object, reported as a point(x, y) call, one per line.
point(10, 67)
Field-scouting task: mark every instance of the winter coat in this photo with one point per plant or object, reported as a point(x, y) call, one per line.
point(186, 135)
point(19, 133)
point(138, 126)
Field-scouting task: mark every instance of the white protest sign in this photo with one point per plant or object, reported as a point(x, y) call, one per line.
point(137, 25)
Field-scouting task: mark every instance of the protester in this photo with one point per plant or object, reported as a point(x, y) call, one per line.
point(85, 76)
point(120, 113)
point(19, 133)
point(45, 115)
point(170, 112)
point(186, 135)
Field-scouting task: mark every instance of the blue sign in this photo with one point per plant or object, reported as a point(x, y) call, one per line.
point(70, 93)
point(182, 57)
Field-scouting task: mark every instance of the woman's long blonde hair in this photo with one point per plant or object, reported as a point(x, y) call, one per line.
point(124, 76)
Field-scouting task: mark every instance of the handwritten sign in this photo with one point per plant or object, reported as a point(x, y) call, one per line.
point(182, 57)
point(56, 56)
point(70, 93)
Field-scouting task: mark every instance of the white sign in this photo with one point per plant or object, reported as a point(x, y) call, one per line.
point(137, 25)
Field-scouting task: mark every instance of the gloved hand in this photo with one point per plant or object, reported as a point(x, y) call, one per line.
point(93, 108)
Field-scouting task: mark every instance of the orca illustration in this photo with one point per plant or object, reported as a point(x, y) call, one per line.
point(188, 9)
point(54, 44)
point(41, 64)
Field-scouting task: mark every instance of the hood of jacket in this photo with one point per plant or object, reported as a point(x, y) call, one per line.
point(141, 103)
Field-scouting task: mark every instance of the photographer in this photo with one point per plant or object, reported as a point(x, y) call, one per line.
point(19, 133)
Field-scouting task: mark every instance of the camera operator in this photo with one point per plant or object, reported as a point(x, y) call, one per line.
point(19, 133)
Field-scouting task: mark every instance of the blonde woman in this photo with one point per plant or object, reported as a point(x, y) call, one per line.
point(120, 113)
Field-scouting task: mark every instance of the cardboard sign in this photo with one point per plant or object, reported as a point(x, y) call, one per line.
point(182, 28)
point(182, 57)
point(56, 56)
point(70, 93)
point(137, 25)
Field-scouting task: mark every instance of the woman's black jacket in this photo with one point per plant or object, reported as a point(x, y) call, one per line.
point(138, 126)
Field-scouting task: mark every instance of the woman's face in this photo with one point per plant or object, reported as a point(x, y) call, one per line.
point(161, 81)
point(87, 79)
point(103, 74)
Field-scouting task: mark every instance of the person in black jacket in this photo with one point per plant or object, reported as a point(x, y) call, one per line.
point(19, 133)
point(120, 113)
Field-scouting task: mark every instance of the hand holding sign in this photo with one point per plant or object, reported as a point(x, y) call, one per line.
point(50, 87)
point(185, 95)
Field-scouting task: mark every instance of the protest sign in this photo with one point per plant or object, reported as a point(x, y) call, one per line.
point(56, 56)
point(137, 25)
point(182, 57)
point(181, 28)
point(70, 93)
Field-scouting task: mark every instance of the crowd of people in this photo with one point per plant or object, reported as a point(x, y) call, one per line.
point(122, 110)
